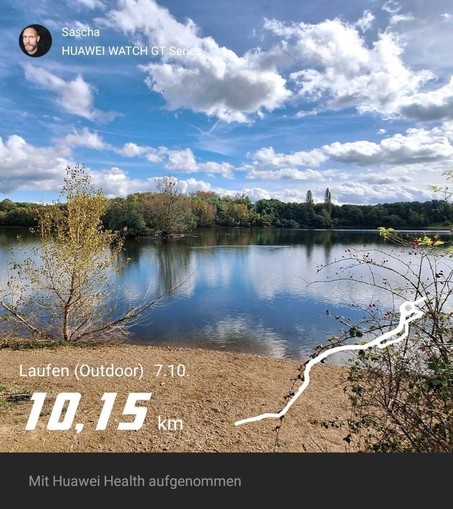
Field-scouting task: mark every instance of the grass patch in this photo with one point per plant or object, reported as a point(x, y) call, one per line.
point(38, 344)
point(13, 394)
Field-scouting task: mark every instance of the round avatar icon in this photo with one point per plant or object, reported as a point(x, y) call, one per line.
point(35, 40)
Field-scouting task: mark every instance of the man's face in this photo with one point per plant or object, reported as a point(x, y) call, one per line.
point(30, 38)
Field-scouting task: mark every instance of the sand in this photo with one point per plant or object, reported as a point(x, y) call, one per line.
point(192, 411)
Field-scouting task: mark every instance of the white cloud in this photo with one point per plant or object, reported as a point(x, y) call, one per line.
point(192, 185)
point(75, 96)
point(213, 168)
point(378, 193)
point(366, 21)
point(257, 193)
point(24, 166)
point(394, 8)
point(394, 178)
point(354, 191)
point(84, 138)
point(214, 81)
point(90, 4)
point(417, 145)
point(446, 129)
point(353, 152)
point(284, 174)
point(294, 194)
point(391, 6)
point(181, 160)
point(116, 182)
point(269, 157)
point(329, 44)
point(433, 105)
point(399, 18)
point(331, 62)
point(185, 161)
point(132, 150)
point(154, 155)
point(229, 94)
point(428, 37)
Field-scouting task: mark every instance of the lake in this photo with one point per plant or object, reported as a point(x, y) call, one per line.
point(244, 290)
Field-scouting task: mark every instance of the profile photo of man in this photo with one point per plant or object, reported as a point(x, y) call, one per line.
point(35, 40)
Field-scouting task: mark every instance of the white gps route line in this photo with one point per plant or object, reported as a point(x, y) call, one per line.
point(408, 313)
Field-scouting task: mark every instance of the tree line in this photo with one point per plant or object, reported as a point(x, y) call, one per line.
point(168, 211)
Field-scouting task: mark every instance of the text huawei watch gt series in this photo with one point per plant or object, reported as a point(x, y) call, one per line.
point(114, 50)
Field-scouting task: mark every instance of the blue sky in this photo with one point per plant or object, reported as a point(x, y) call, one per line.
point(276, 98)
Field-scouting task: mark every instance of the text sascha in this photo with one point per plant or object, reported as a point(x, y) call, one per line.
point(80, 32)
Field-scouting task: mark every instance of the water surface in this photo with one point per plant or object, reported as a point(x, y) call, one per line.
point(248, 290)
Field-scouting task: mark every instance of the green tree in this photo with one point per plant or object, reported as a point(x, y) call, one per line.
point(204, 212)
point(236, 212)
point(355, 215)
point(170, 210)
point(125, 215)
point(323, 219)
point(328, 201)
point(269, 211)
point(7, 205)
point(22, 216)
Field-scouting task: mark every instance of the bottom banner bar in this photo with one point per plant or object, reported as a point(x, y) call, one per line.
point(204, 476)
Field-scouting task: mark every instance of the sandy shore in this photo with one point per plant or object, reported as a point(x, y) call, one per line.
point(195, 412)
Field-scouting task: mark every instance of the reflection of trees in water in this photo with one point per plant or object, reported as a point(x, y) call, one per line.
point(219, 237)
point(277, 236)
point(327, 245)
point(174, 255)
point(174, 264)
point(9, 236)
point(132, 251)
point(168, 259)
point(322, 239)
point(355, 237)
point(309, 244)
point(15, 242)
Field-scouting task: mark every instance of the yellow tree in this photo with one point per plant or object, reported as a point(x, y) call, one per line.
point(65, 287)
